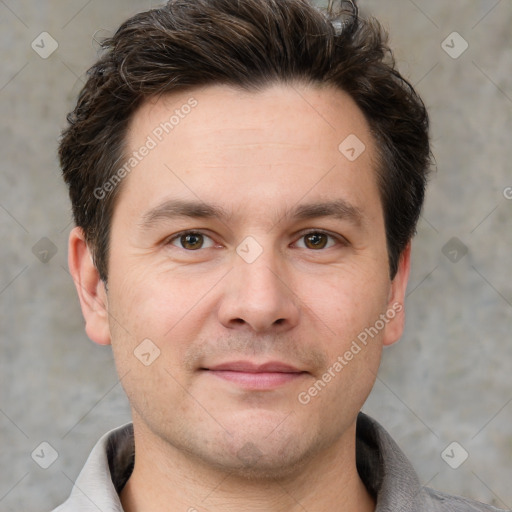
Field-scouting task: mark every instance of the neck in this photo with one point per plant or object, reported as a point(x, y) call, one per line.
point(165, 478)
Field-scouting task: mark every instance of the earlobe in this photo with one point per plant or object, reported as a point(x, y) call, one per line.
point(396, 301)
point(90, 288)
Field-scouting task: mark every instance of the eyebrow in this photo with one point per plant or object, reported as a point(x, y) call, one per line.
point(339, 209)
point(178, 208)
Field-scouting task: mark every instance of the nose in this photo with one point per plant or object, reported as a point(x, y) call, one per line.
point(259, 296)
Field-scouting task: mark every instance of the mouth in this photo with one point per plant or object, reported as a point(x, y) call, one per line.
point(251, 376)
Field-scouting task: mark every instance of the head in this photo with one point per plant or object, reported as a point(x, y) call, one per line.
point(305, 155)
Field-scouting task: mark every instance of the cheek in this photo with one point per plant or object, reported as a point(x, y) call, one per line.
point(347, 311)
point(348, 301)
point(162, 307)
point(139, 297)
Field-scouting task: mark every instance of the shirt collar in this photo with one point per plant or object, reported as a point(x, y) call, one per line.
point(385, 470)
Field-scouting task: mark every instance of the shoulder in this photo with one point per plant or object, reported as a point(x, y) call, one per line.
point(388, 474)
point(442, 502)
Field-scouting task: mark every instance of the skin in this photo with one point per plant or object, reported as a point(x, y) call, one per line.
point(203, 442)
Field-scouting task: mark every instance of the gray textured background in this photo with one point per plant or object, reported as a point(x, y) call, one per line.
point(448, 379)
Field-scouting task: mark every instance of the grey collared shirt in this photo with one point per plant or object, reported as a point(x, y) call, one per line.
point(383, 468)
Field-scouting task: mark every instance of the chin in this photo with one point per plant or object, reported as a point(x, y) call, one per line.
point(263, 457)
point(251, 464)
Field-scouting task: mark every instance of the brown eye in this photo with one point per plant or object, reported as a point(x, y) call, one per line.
point(316, 240)
point(191, 241)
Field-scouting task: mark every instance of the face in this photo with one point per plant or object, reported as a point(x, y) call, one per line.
point(249, 294)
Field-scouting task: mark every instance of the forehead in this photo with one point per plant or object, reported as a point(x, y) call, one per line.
point(292, 113)
point(254, 149)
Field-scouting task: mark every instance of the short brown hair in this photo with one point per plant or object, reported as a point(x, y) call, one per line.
point(248, 44)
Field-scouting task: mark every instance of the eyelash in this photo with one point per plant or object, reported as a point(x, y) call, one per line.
point(338, 239)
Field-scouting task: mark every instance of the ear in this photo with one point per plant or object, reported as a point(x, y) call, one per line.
point(396, 300)
point(91, 289)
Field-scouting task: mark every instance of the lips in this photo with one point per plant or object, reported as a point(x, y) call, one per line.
point(249, 367)
point(256, 377)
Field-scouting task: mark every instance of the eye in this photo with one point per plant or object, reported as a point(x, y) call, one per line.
point(318, 240)
point(191, 241)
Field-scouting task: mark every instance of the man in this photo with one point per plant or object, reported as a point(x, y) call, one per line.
point(246, 177)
